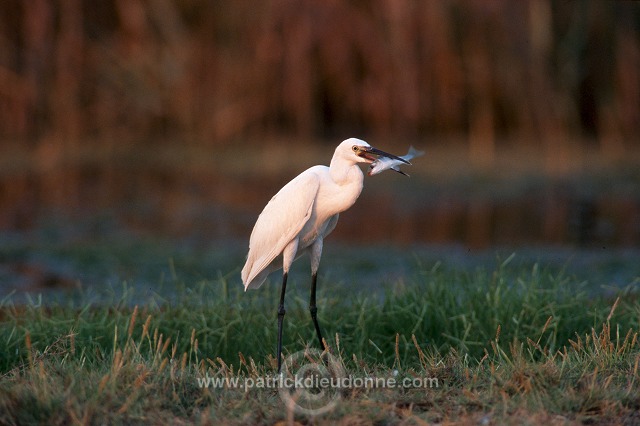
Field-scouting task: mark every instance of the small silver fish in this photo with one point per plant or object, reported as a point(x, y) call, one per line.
point(384, 163)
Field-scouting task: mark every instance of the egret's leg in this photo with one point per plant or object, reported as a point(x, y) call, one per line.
point(281, 312)
point(316, 253)
point(288, 255)
point(314, 310)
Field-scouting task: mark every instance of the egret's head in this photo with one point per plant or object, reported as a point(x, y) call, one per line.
point(358, 151)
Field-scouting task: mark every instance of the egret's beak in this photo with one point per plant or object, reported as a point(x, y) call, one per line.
point(367, 152)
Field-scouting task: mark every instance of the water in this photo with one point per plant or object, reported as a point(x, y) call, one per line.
point(95, 226)
point(475, 210)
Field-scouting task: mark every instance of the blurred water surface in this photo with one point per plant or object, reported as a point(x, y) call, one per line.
point(96, 224)
point(218, 196)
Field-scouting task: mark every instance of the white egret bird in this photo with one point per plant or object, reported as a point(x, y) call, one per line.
point(301, 215)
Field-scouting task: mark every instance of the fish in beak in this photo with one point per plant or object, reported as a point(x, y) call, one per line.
point(385, 163)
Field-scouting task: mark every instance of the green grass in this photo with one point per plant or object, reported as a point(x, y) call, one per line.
point(507, 345)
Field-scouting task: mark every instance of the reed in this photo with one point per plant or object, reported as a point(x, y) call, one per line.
point(537, 73)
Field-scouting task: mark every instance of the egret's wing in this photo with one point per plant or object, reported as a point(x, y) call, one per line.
point(331, 225)
point(280, 221)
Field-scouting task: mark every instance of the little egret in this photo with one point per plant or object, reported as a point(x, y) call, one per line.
point(300, 216)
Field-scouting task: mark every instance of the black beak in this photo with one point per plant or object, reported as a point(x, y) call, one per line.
point(375, 151)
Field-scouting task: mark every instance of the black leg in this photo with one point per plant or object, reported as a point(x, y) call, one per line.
point(314, 310)
point(281, 312)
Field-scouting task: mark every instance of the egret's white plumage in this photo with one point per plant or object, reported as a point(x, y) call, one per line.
point(303, 212)
point(300, 215)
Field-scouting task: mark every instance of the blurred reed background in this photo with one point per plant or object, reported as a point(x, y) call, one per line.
point(185, 116)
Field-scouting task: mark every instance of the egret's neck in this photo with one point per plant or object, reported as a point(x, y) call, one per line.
point(344, 172)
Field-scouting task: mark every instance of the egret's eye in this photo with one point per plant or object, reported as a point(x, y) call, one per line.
point(355, 148)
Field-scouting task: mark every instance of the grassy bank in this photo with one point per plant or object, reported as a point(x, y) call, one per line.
point(506, 344)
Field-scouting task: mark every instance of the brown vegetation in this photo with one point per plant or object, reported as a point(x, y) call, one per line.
point(112, 72)
point(90, 90)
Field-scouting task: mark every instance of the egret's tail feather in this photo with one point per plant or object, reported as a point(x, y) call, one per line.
point(254, 282)
point(254, 279)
